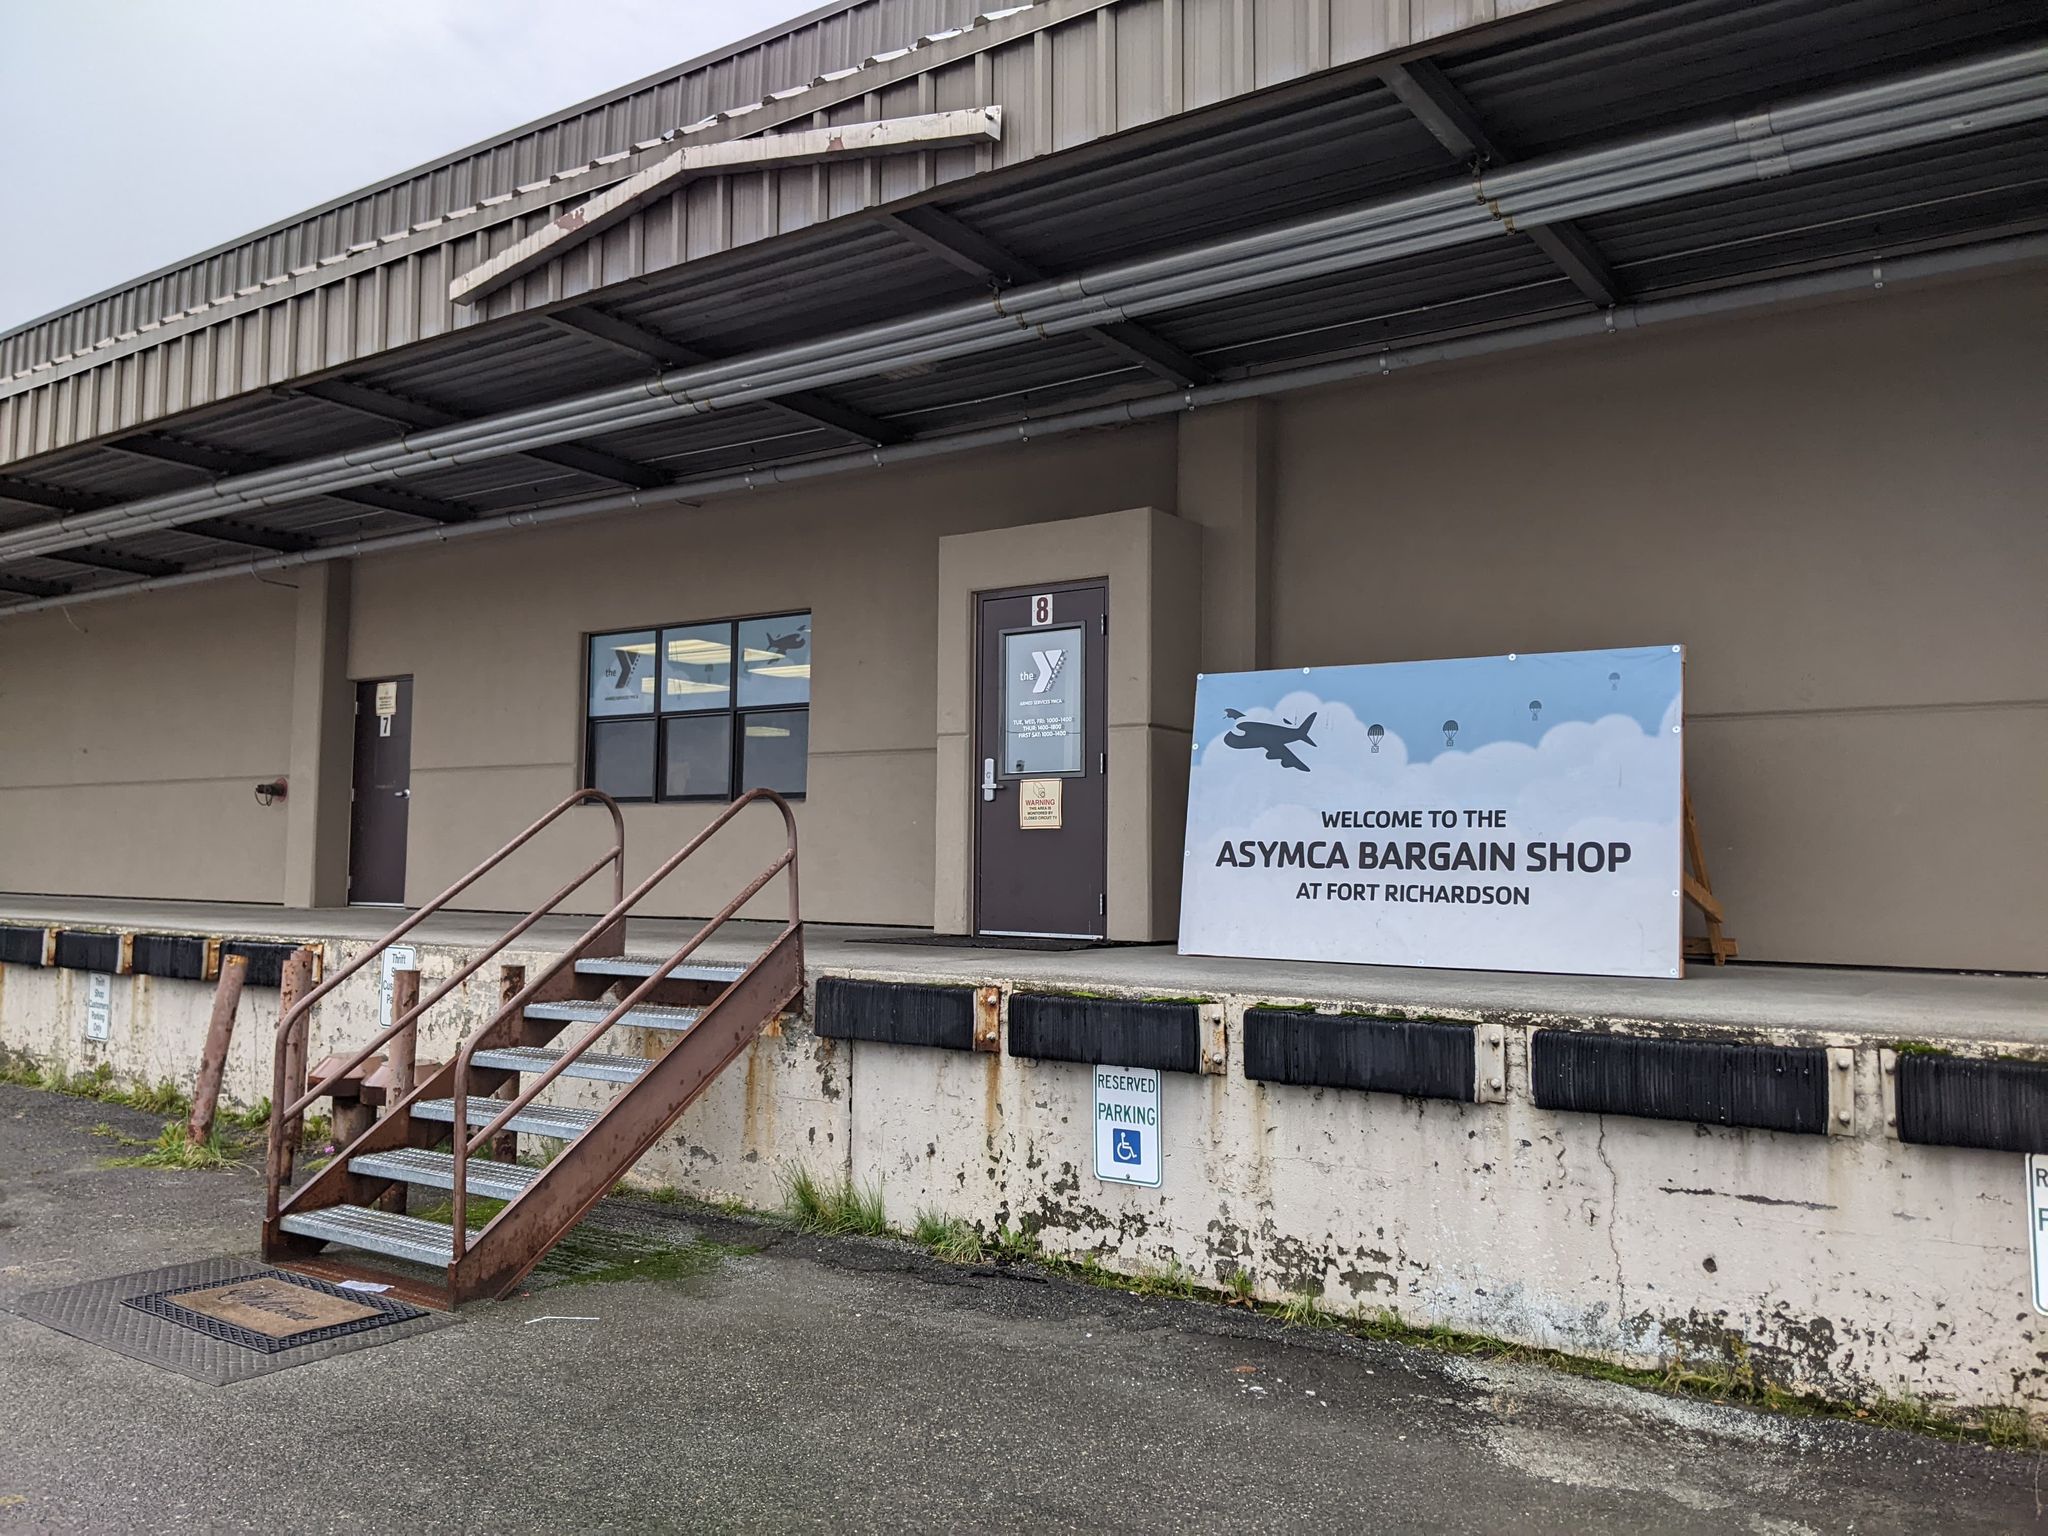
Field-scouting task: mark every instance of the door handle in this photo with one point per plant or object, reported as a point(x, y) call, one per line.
point(403, 794)
point(989, 782)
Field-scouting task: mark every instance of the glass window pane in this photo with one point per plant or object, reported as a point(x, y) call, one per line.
point(696, 667)
point(622, 673)
point(775, 660)
point(622, 758)
point(774, 750)
point(1042, 701)
point(697, 758)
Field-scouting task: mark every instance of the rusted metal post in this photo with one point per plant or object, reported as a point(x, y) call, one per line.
point(213, 1061)
point(405, 996)
point(505, 1145)
point(293, 985)
point(352, 1117)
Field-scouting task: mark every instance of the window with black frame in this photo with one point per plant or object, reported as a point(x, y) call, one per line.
point(699, 711)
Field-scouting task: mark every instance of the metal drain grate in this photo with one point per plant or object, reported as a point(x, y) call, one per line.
point(97, 1312)
point(383, 1313)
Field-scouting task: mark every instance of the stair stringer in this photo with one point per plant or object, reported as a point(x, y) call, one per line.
point(501, 1254)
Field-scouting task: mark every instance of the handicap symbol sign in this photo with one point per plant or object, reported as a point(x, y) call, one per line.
point(1127, 1135)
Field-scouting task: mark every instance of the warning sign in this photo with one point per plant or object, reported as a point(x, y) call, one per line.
point(1039, 803)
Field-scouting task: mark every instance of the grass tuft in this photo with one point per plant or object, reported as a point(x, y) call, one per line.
point(173, 1149)
point(255, 1118)
point(477, 1210)
point(948, 1237)
point(668, 1267)
point(1304, 1309)
point(815, 1205)
point(1015, 1246)
point(1176, 1282)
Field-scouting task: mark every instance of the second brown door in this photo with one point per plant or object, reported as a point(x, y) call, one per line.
point(380, 811)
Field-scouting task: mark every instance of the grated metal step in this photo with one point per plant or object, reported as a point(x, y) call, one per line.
point(647, 965)
point(646, 1016)
point(591, 1064)
point(415, 1165)
point(535, 1120)
point(402, 1237)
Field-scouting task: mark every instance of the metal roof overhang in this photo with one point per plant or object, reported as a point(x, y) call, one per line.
point(1348, 139)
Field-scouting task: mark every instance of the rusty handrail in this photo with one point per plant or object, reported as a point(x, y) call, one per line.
point(293, 1017)
point(464, 1145)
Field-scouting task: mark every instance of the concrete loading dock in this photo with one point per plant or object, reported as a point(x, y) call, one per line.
point(1839, 1260)
point(1251, 346)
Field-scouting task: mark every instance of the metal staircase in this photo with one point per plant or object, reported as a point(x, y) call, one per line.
point(542, 1032)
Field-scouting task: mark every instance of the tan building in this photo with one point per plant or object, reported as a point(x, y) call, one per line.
point(1780, 402)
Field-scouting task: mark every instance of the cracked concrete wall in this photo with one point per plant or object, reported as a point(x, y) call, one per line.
point(1848, 1265)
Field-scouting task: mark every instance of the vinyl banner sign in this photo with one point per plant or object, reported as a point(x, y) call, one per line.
point(1514, 813)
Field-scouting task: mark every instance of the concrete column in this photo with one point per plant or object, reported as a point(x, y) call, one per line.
point(1226, 486)
point(323, 742)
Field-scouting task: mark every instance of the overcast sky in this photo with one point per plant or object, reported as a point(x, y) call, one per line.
point(135, 132)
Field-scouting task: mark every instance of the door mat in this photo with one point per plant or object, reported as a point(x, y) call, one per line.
point(985, 941)
point(225, 1320)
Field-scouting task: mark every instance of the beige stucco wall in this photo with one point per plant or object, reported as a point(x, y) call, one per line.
point(132, 735)
point(1839, 510)
point(491, 634)
point(1842, 512)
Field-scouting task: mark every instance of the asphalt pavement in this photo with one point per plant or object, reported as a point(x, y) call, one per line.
point(795, 1383)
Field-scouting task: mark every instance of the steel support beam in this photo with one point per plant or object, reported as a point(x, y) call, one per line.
point(808, 406)
point(1442, 108)
point(971, 251)
point(54, 497)
point(225, 530)
point(28, 586)
point(114, 560)
point(233, 461)
point(418, 413)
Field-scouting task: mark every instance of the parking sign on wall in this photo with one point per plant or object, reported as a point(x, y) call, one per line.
point(1127, 1125)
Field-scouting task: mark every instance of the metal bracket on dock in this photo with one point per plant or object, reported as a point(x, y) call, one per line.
point(1489, 1064)
point(1841, 1090)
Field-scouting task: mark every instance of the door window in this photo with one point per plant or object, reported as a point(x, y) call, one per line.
point(1044, 676)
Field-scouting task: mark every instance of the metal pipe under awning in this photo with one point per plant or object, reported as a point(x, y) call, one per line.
point(1754, 296)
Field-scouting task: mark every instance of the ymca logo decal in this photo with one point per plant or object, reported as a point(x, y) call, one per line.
point(1048, 664)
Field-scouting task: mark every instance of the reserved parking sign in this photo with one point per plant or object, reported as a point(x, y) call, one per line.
point(1127, 1125)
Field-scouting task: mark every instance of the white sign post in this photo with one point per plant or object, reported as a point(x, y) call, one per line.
point(99, 1006)
point(399, 957)
point(1127, 1125)
point(2037, 1226)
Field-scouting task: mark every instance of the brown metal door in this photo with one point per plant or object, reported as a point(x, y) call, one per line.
point(383, 790)
point(1041, 760)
